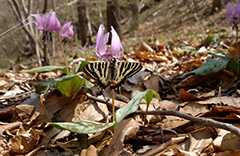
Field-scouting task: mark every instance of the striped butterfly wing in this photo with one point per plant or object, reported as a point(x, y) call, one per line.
point(124, 70)
point(99, 72)
point(116, 72)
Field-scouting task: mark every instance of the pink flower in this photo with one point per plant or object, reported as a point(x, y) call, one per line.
point(115, 52)
point(233, 17)
point(47, 23)
point(66, 31)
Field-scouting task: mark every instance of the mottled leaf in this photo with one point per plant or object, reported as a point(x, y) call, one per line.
point(42, 85)
point(210, 66)
point(219, 55)
point(44, 69)
point(133, 105)
point(188, 48)
point(82, 127)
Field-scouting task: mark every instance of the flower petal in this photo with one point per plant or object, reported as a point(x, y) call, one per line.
point(53, 23)
point(100, 49)
point(237, 11)
point(116, 45)
point(70, 32)
point(67, 30)
point(229, 11)
point(57, 25)
point(106, 38)
point(39, 22)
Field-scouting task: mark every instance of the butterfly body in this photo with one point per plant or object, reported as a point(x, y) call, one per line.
point(111, 73)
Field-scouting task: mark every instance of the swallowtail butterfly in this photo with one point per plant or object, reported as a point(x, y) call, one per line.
point(111, 73)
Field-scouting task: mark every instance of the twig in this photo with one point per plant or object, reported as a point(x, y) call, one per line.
point(163, 146)
point(103, 101)
point(204, 121)
point(220, 95)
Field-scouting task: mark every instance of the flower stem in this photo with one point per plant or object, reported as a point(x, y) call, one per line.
point(64, 57)
point(72, 46)
point(113, 107)
point(237, 60)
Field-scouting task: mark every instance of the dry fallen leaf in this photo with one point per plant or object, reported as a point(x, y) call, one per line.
point(152, 83)
point(170, 146)
point(124, 130)
point(94, 112)
point(199, 140)
point(25, 139)
point(194, 109)
point(227, 141)
point(90, 151)
point(68, 110)
point(145, 47)
point(69, 145)
point(226, 100)
point(186, 96)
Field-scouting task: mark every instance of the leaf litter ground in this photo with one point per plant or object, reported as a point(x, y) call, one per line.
point(24, 114)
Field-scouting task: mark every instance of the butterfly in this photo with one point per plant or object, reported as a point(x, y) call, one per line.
point(111, 73)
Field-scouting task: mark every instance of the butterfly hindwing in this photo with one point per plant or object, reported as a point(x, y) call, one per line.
point(125, 70)
point(99, 72)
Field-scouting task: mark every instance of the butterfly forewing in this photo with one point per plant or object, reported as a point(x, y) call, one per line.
point(116, 72)
point(99, 72)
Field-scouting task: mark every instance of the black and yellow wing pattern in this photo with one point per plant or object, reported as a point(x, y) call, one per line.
point(111, 73)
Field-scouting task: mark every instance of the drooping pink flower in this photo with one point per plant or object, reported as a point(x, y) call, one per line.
point(47, 23)
point(66, 31)
point(233, 17)
point(115, 52)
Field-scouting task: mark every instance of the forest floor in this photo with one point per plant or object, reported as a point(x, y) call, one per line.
point(198, 114)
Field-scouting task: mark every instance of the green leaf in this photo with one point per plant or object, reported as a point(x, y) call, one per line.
point(82, 127)
point(88, 84)
point(210, 66)
point(42, 85)
point(211, 38)
point(234, 65)
point(79, 68)
point(149, 96)
point(68, 85)
point(219, 55)
point(44, 69)
point(188, 48)
point(71, 72)
point(156, 94)
point(131, 106)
